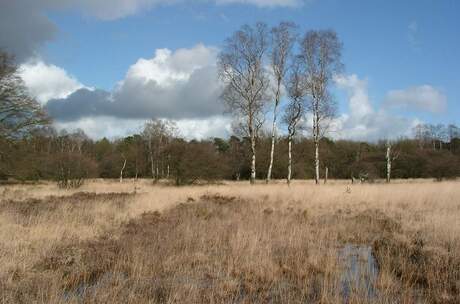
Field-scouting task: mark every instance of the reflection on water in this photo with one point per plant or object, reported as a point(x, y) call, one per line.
point(359, 273)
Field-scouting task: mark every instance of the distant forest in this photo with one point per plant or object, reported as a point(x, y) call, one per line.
point(157, 153)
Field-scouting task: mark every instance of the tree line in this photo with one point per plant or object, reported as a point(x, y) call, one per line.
point(159, 154)
point(267, 73)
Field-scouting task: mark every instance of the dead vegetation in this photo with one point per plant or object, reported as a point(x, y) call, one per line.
point(33, 210)
point(217, 247)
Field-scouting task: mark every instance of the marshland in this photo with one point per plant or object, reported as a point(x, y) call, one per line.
point(231, 243)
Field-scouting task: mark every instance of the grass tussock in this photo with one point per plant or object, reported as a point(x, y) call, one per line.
point(218, 245)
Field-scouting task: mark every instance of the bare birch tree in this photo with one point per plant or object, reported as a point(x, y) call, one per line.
point(390, 156)
point(295, 108)
point(419, 135)
point(158, 134)
point(71, 164)
point(453, 132)
point(321, 53)
point(241, 68)
point(123, 167)
point(441, 134)
point(282, 41)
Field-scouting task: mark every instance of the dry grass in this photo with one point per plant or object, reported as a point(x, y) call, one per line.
point(230, 243)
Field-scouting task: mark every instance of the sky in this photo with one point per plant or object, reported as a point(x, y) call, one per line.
point(108, 66)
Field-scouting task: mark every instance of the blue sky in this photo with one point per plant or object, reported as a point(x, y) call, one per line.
point(411, 46)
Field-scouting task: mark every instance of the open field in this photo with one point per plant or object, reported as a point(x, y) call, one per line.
point(232, 243)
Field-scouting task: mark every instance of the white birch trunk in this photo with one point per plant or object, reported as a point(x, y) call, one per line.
point(289, 160)
point(316, 138)
point(272, 151)
point(326, 173)
point(151, 159)
point(253, 161)
point(317, 162)
point(388, 156)
point(121, 171)
point(252, 135)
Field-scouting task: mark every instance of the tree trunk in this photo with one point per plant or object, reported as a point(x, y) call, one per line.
point(253, 160)
point(121, 171)
point(252, 136)
point(151, 159)
point(152, 167)
point(388, 156)
point(317, 162)
point(289, 160)
point(316, 138)
point(326, 173)
point(168, 167)
point(157, 172)
point(272, 151)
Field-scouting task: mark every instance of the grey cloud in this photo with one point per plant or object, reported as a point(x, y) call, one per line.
point(80, 103)
point(197, 97)
point(23, 28)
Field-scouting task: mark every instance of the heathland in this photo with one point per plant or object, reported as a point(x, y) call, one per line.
point(134, 242)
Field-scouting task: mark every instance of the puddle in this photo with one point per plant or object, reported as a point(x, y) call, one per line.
point(359, 272)
point(90, 288)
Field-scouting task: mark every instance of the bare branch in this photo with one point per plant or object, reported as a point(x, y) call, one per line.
point(19, 113)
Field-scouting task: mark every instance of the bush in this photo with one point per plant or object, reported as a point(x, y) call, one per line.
point(72, 169)
point(194, 161)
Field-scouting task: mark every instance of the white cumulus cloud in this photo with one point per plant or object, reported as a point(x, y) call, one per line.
point(47, 81)
point(419, 98)
point(167, 68)
point(359, 103)
point(113, 127)
point(179, 84)
point(216, 126)
point(363, 121)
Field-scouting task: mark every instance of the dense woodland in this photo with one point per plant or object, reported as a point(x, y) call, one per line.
point(159, 154)
point(259, 67)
